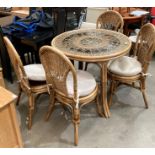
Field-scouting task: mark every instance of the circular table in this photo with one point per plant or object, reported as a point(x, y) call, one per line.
point(94, 45)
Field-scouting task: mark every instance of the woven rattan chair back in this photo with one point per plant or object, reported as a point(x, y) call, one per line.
point(111, 20)
point(16, 61)
point(57, 66)
point(145, 45)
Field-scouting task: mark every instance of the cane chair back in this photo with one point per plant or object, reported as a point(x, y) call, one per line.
point(145, 45)
point(57, 70)
point(31, 88)
point(111, 20)
point(16, 62)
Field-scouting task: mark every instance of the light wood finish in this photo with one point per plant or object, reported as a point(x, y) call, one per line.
point(111, 20)
point(21, 12)
point(10, 135)
point(56, 74)
point(31, 88)
point(1, 78)
point(144, 49)
point(93, 46)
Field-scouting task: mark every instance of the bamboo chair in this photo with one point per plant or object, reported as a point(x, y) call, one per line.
point(64, 84)
point(27, 84)
point(129, 70)
point(110, 20)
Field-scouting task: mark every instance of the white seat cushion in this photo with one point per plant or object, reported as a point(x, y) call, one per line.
point(35, 72)
point(137, 31)
point(86, 83)
point(133, 38)
point(125, 66)
point(86, 25)
point(139, 13)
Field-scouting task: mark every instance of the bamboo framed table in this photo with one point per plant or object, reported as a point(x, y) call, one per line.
point(94, 45)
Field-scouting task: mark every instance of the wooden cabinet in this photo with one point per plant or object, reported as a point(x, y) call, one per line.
point(10, 135)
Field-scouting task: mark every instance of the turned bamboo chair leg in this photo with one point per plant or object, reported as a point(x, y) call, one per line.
point(98, 106)
point(76, 134)
point(31, 110)
point(19, 95)
point(51, 107)
point(133, 84)
point(142, 87)
point(76, 122)
point(112, 89)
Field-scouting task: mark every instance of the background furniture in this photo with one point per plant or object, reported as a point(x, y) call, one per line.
point(94, 45)
point(10, 135)
point(152, 15)
point(28, 45)
point(129, 70)
point(131, 21)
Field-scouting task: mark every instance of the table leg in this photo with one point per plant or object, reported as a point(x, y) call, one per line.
point(104, 89)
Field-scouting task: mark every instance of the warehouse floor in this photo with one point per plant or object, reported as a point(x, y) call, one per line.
point(130, 124)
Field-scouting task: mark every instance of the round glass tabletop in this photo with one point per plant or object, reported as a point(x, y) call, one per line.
point(92, 43)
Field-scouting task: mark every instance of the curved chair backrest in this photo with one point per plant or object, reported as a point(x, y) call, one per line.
point(145, 45)
point(57, 66)
point(16, 61)
point(111, 20)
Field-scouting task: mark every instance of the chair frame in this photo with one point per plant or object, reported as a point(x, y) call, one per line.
point(74, 103)
point(143, 51)
point(103, 20)
point(31, 88)
point(110, 16)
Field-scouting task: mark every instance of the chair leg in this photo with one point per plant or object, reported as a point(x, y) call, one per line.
point(99, 111)
point(31, 110)
point(76, 122)
point(112, 89)
point(76, 134)
point(142, 87)
point(80, 65)
point(19, 95)
point(86, 66)
point(51, 106)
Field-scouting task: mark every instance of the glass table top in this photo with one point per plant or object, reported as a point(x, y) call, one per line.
point(92, 42)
